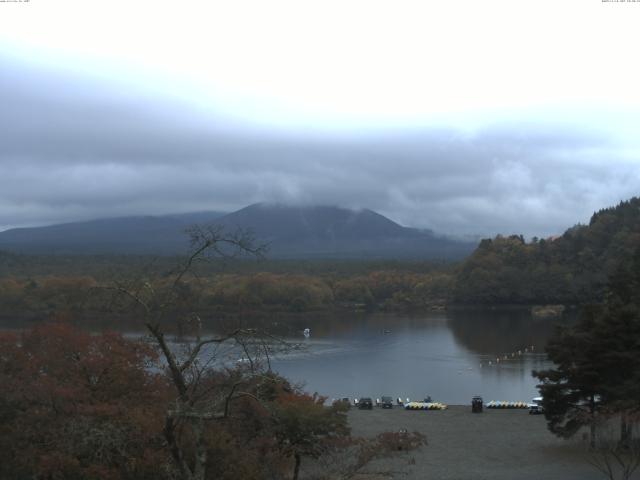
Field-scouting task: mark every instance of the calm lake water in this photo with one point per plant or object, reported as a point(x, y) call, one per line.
point(450, 355)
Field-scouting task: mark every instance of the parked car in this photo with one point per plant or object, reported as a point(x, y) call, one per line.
point(386, 402)
point(365, 403)
point(343, 401)
point(536, 408)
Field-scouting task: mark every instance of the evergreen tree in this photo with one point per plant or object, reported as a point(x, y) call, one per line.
point(597, 361)
point(570, 390)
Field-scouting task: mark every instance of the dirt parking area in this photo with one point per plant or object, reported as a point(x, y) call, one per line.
point(493, 445)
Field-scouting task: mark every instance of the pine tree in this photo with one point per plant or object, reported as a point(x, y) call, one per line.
point(597, 361)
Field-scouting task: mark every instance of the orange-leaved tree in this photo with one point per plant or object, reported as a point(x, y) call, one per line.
point(76, 405)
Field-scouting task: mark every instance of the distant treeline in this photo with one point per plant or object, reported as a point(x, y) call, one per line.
point(45, 295)
point(111, 267)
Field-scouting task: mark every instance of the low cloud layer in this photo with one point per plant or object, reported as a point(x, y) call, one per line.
point(72, 150)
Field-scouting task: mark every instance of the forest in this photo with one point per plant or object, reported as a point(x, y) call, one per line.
point(268, 286)
point(570, 269)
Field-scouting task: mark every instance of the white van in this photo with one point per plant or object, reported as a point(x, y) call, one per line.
point(535, 407)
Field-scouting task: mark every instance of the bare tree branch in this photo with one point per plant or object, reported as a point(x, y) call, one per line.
point(196, 350)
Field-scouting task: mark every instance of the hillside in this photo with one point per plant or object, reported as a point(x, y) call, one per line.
point(131, 235)
point(290, 232)
point(570, 269)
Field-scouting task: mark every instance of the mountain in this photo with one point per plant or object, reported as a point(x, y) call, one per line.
point(333, 232)
point(570, 269)
point(290, 232)
point(136, 235)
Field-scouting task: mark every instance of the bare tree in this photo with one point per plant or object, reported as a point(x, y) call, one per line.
point(198, 400)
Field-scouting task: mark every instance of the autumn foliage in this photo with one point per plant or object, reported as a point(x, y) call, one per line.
point(75, 405)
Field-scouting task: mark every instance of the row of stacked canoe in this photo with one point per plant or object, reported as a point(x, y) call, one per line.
point(425, 406)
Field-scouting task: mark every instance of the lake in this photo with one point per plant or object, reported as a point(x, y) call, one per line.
point(450, 356)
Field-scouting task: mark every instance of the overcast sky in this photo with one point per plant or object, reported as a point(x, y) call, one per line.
point(465, 117)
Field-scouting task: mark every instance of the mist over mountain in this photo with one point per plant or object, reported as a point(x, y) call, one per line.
point(289, 232)
point(333, 232)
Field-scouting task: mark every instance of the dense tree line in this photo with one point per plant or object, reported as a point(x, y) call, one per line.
point(47, 296)
point(110, 267)
point(570, 269)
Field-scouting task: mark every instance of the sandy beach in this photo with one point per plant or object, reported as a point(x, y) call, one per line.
point(493, 445)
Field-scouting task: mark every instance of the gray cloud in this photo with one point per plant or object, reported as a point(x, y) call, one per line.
point(75, 149)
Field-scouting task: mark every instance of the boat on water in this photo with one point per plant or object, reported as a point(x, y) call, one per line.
point(307, 333)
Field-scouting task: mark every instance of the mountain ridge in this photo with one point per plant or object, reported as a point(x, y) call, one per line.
point(291, 231)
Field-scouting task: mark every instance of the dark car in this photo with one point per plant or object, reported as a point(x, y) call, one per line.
point(386, 402)
point(365, 403)
point(476, 404)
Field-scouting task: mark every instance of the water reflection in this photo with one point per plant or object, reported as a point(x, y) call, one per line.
point(445, 355)
point(491, 332)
